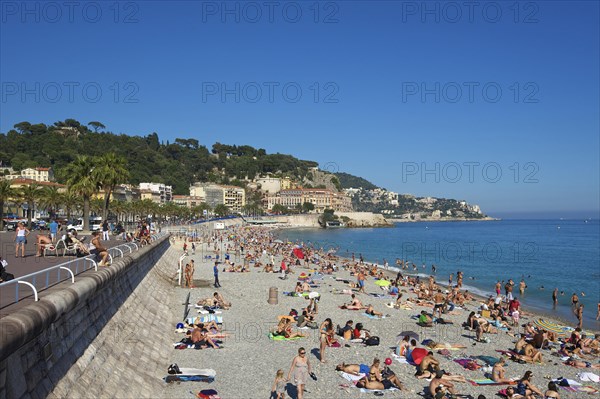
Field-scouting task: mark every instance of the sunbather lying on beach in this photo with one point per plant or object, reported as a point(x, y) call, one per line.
point(370, 311)
point(354, 369)
point(447, 377)
point(372, 383)
point(581, 365)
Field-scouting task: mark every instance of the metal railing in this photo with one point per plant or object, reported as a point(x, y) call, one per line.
point(43, 279)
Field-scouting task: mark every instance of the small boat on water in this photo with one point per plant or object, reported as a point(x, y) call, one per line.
point(334, 224)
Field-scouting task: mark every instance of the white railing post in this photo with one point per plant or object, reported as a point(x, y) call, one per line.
point(70, 271)
point(35, 293)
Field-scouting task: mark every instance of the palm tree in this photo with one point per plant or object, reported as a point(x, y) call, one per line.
point(70, 200)
point(51, 199)
point(6, 192)
point(96, 205)
point(221, 210)
point(81, 181)
point(118, 208)
point(30, 194)
point(110, 170)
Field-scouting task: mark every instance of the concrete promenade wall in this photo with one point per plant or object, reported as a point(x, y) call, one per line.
point(106, 335)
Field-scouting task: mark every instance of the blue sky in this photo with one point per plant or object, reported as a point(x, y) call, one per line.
point(498, 102)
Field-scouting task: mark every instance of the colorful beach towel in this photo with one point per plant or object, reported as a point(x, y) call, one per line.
point(468, 363)
point(487, 381)
point(560, 330)
point(489, 360)
point(281, 338)
point(375, 317)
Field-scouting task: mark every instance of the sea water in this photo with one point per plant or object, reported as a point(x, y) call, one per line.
point(545, 253)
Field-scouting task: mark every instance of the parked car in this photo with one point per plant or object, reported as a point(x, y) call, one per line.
point(10, 225)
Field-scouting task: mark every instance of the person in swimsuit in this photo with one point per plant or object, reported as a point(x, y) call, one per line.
point(574, 300)
point(21, 234)
point(325, 330)
point(555, 297)
point(354, 369)
point(498, 373)
point(581, 365)
point(370, 311)
point(300, 369)
point(526, 388)
point(355, 304)
point(438, 299)
point(552, 392)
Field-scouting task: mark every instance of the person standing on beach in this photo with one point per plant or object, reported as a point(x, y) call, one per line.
point(361, 281)
point(579, 315)
point(21, 234)
point(301, 370)
point(598, 314)
point(497, 287)
point(450, 280)
point(555, 297)
point(216, 274)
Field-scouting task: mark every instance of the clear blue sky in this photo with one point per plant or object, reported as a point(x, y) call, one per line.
point(367, 72)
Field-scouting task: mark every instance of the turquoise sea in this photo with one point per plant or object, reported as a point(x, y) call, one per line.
point(546, 253)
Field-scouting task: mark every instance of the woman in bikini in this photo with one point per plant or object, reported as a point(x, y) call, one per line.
point(324, 332)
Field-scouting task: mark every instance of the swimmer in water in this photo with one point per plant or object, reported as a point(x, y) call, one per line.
point(541, 287)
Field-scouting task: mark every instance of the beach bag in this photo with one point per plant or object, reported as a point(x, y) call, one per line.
point(312, 324)
point(372, 341)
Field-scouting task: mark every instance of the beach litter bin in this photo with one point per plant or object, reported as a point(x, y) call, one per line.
point(273, 296)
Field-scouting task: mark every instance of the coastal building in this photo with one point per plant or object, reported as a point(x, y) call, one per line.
point(38, 174)
point(232, 197)
point(157, 192)
point(321, 199)
point(269, 185)
point(187, 200)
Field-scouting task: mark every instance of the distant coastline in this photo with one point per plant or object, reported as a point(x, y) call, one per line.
point(450, 219)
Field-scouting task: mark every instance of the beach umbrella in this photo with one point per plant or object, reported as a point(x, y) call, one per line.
point(410, 334)
point(418, 354)
point(383, 283)
point(560, 330)
point(313, 294)
point(303, 276)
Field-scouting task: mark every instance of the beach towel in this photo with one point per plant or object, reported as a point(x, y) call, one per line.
point(380, 295)
point(211, 317)
point(468, 363)
point(281, 338)
point(489, 360)
point(587, 376)
point(487, 381)
point(375, 317)
point(558, 329)
point(401, 359)
point(182, 378)
point(352, 377)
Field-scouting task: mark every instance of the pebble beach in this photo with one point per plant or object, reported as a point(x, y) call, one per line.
point(247, 363)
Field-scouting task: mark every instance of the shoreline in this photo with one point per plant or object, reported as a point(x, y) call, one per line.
point(564, 316)
point(248, 335)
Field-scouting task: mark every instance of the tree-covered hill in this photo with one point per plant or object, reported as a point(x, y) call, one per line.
point(350, 181)
point(149, 160)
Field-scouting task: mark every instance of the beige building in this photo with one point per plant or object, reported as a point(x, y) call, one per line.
point(187, 200)
point(321, 198)
point(38, 174)
point(157, 192)
point(269, 185)
point(232, 197)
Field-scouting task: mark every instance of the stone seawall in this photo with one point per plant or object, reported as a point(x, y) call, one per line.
point(101, 336)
